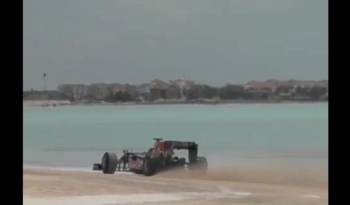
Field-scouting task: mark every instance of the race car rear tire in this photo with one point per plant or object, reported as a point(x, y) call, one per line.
point(109, 163)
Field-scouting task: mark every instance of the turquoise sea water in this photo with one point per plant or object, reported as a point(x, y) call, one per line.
point(77, 136)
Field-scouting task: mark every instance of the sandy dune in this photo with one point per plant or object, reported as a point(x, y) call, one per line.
point(63, 187)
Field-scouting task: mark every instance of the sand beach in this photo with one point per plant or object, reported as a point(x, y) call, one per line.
point(67, 187)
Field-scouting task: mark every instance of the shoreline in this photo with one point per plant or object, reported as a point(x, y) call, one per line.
point(53, 103)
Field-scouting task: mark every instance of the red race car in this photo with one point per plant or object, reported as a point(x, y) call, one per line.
point(159, 157)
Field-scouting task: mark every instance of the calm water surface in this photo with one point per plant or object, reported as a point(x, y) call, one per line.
point(77, 136)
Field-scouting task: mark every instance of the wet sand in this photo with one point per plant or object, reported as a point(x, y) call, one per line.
point(68, 187)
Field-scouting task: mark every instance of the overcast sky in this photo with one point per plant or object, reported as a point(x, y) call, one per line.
point(209, 41)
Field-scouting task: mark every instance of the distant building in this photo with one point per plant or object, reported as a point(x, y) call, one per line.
point(183, 86)
point(117, 87)
point(158, 89)
point(173, 92)
point(264, 87)
point(99, 91)
point(143, 92)
point(73, 92)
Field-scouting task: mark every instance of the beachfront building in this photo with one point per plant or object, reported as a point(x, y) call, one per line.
point(183, 86)
point(173, 92)
point(158, 89)
point(74, 92)
point(143, 92)
point(99, 91)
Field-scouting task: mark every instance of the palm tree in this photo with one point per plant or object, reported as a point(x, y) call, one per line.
point(44, 79)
